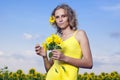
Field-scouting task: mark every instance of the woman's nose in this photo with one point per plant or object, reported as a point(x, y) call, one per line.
point(60, 19)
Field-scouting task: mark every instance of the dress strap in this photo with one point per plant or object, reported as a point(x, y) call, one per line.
point(74, 34)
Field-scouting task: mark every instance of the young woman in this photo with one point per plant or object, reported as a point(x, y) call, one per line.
point(75, 54)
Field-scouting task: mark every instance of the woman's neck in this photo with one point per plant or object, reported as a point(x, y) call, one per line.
point(67, 31)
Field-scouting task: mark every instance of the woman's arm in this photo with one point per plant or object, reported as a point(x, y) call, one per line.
point(41, 52)
point(86, 61)
point(47, 63)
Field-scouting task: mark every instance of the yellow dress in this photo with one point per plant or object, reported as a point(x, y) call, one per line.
point(61, 70)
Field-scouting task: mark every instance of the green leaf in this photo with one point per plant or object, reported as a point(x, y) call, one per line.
point(50, 47)
point(63, 68)
point(50, 54)
point(56, 70)
point(57, 47)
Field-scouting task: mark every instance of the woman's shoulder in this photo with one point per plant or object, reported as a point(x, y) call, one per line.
point(81, 32)
point(81, 35)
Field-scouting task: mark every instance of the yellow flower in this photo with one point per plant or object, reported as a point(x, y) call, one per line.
point(55, 36)
point(52, 42)
point(52, 19)
point(44, 46)
point(58, 40)
point(49, 40)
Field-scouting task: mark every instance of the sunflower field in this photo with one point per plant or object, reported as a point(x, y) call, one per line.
point(34, 75)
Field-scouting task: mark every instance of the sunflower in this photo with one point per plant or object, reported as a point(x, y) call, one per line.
point(52, 20)
point(52, 42)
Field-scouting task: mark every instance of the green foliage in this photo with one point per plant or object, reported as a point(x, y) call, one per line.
point(50, 54)
point(33, 75)
point(63, 68)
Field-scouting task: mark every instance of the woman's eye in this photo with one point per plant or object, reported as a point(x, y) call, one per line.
point(63, 16)
point(56, 17)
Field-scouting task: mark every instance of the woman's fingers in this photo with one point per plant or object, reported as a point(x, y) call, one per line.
point(37, 45)
point(37, 49)
point(56, 55)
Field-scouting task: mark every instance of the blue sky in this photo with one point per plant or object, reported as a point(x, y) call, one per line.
point(23, 23)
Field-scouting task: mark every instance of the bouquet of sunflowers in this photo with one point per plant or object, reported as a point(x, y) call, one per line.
point(52, 42)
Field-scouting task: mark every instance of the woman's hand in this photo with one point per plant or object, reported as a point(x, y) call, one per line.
point(57, 55)
point(40, 51)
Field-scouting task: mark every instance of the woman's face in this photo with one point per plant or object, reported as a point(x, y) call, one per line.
point(61, 18)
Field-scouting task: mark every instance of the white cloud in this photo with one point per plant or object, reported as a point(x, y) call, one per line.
point(101, 68)
point(28, 59)
point(27, 36)
point(1, 52)
point(111, 8)
point(34, 37)
point(24, 60)
point(104, 63)
point(107, 59)
point(29, 52)
point(24, 64)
